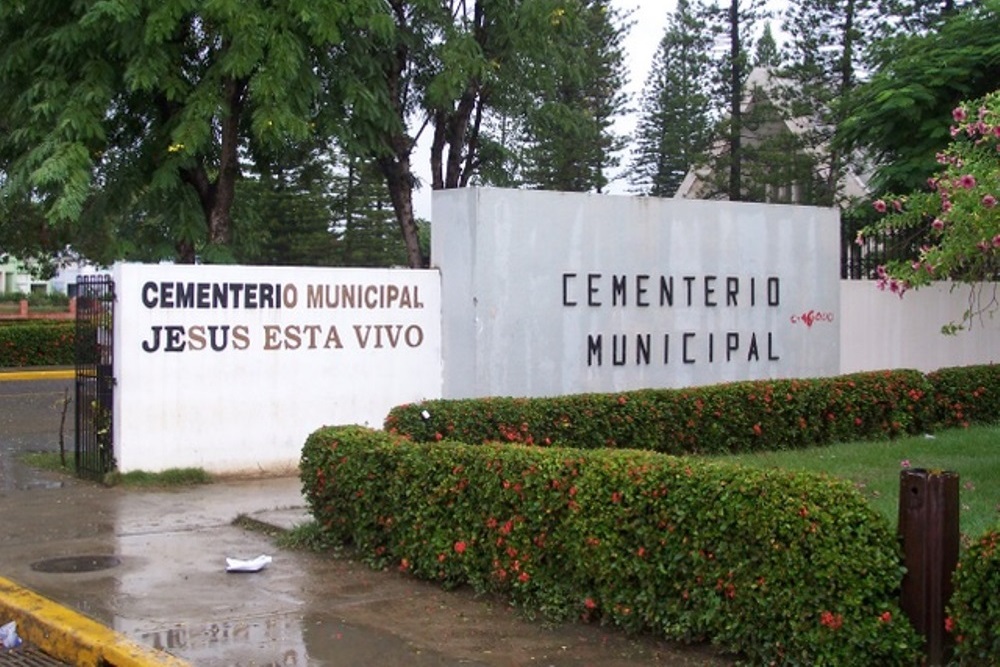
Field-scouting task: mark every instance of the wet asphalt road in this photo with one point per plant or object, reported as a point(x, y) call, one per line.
point(166, 585)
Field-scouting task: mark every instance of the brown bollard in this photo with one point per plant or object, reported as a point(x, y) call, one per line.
point(928, 530)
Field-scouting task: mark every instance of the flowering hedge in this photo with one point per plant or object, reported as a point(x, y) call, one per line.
point(782, 568)
point(967, 395)
point(37, 343)
point(733, 417)
point(975, 605)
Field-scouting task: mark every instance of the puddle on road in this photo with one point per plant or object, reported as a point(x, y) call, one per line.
point(290, 640)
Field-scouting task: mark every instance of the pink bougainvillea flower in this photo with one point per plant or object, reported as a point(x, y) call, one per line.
point(905, 463)
point(996, 241)
point(589, 603)
point(938, 224)
point(886, 617)
point(898, 205)
point(968, 181)
point(989, 201)
point(958, 113)
point(879, 205)
point(460, 547)
point(949, 624)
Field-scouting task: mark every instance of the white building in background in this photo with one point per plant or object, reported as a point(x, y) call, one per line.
point(762, 102)
point(16, 278)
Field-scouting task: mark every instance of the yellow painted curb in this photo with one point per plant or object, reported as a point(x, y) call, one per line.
point(67, 374)
point(71, 637)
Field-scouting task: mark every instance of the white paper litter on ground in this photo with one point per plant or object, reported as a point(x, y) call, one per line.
point(8, 635)
point(255, 565)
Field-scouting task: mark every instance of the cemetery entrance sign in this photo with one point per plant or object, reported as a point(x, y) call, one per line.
point(554, 293)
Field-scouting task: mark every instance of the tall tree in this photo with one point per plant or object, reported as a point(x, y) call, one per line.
point(901, 116)
point(440, 74)
point(570, 144)
point(365, 223)
point(734, 24)
point(767, 54)
point(673, 130)
point(115, 108)
point(827, 42)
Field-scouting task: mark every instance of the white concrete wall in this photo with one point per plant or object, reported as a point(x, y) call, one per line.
point(278, 374)
point(531, 306)
point(880, 330)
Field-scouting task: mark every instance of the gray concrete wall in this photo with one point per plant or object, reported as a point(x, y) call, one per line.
point(548, 293)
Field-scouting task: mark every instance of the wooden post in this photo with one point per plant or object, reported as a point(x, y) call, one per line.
point(928, 529)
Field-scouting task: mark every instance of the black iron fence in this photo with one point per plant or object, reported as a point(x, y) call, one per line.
point(95, 381)
point(859, 260)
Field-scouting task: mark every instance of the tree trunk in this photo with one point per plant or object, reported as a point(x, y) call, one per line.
point(735, 100)
point(216, 198)
point(399, 179)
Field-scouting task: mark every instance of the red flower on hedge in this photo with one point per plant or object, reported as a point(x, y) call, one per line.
point(589, 603)
point(886, 617)
point(949, 624)
point(460, 547)
point(831, 620)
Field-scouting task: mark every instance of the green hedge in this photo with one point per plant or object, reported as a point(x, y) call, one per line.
point(782, 568)
point(975, 604)
point(967, 395)
point(724, 418)
point(37, 343)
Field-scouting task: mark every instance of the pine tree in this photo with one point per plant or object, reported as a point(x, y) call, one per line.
point(569, 141)
point(673, 128)
point(826, 49)
point(733, 24)
point(767, 53)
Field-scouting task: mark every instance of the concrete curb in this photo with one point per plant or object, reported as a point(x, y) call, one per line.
point(66, 635)
point(57, 374)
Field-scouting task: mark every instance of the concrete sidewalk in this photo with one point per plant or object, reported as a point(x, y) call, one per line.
point(150, 565)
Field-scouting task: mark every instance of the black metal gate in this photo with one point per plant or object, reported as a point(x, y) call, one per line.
point(95, 380)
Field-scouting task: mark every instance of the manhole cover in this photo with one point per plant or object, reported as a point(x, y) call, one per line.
point(76, 564)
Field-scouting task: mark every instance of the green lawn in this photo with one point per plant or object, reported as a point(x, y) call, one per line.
point(874, 467)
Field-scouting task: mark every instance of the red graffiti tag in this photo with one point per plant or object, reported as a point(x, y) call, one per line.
point(812, 316)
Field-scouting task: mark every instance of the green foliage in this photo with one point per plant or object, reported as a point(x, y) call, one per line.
point(569, 141)
point(967, 395)
point(783, 568)
point(37, 343)
point(114, 112)
point(170, 477)
point(673, 128)
point(975, 606)
point(901, 115)
point(733, 417)
point(958, 219)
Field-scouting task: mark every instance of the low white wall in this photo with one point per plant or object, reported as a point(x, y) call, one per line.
point(880, 330)
point(229, 368)
point(548, 293)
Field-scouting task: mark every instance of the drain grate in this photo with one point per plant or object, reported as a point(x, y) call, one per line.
point(76, 564)
point(27, 656)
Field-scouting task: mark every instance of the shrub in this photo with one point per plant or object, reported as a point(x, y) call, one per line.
point(975, 605)
point(37, 343)
point(783, 568)
point(966, 395)
point(717, 419)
